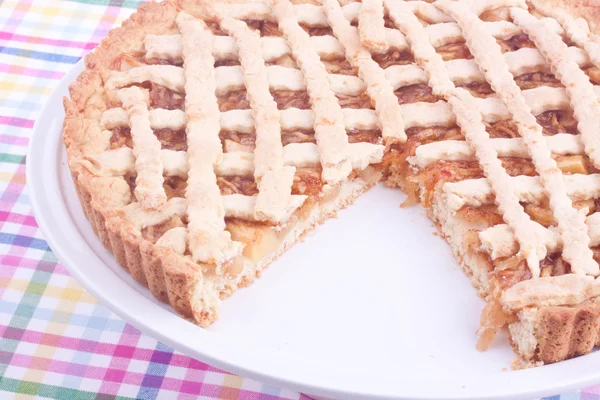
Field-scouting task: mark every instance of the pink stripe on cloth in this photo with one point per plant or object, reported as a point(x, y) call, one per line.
point(15, 121)
point(10, 139)
point(14, 69)
point(87, 371)
point(594, 390)
point(8, 269)
point(47, 41)
point(16, 218)
point(117, 369)
point(10, 261)
point(113, 350)
point(108, 375)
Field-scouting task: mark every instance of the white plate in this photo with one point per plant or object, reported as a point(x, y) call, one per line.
point(372, 305)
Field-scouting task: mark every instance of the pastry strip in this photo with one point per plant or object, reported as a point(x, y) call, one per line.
point(576, 29)
point(580, 90)
point(500, 241)
point(419, 114)
point(208, 240)
point(379, 88)
point(231, 78)
point(371, 26)
point(120, 162)
point(235, 206)
point(274, 199)
point(327, 46)
point(457, 150)
point(146, 149)
point(529, 189)
point(330, 131)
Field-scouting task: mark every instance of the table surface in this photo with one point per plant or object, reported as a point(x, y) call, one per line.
point(56, 341)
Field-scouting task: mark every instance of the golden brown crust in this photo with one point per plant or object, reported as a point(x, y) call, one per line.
point(152, 267)
point(151, 17)
point(587, 9)
point(566, 332)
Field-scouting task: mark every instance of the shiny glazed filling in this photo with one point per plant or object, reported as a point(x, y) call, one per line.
point(393, 58)
point(416, 93)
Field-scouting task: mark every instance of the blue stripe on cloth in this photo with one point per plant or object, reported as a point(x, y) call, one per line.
point(21, 105)
point(23, 241)
point(155, 372)
point(39, 55)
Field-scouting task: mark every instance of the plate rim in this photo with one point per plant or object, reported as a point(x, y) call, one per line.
point(207, 353)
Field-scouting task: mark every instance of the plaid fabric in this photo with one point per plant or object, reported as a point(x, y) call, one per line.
point(55, 340)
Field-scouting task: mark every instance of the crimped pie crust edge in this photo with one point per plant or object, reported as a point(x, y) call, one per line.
point(171, 278)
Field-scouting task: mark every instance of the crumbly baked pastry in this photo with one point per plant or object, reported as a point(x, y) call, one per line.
point(206, 137)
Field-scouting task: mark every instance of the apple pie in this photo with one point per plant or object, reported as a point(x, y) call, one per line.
point(206, 137)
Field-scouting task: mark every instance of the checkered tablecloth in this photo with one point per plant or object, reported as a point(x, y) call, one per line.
point(56, 341)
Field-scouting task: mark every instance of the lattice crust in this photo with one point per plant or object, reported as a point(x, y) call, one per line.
point(274, 201)
point(513, 187)
point(518, 107)
point(580, 90)
point(273, 165)
point(470, 120)
point(378, 87)
point(327, 46)
point(488, 55)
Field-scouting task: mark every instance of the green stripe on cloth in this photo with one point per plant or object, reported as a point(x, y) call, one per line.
point(49, 391)
point(114, 3)
point(11, 158)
